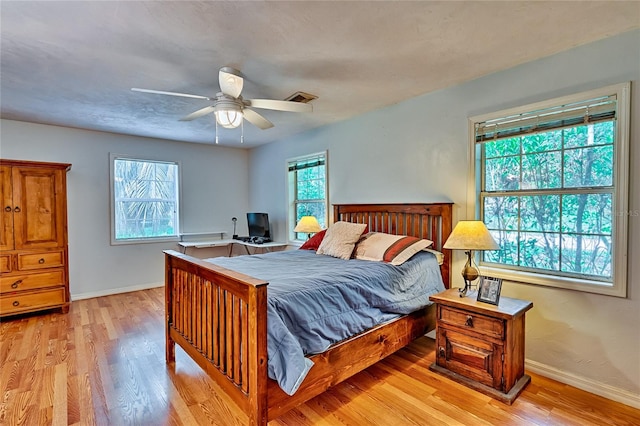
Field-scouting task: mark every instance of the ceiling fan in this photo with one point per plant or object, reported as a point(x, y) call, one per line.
point(230, 108)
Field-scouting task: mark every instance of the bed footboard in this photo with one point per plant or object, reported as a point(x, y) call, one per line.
point(219, 317)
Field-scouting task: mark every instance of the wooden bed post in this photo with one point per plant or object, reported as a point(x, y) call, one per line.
point(170, 345)
point(258, 374)
point(445, 230)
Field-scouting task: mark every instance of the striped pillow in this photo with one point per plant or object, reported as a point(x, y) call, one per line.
point(394, 249)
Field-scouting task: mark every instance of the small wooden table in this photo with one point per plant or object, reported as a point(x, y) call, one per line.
point(481, 345)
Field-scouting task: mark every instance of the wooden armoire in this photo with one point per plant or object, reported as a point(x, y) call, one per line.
point(34, 267)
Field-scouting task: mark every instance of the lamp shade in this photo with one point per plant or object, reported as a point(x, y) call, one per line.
point(471, 235)
point(308, 224)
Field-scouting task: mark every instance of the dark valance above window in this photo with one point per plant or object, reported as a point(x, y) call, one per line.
point(306, 163)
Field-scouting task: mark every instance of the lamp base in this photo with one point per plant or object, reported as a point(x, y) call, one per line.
point(462, 292)
point(469, 274)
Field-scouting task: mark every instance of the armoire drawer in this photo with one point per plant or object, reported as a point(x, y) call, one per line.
point(40, 260)
point(29, 301)
point(32, 281)
point(5, 263)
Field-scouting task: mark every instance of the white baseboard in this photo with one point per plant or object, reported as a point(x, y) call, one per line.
point(111, 291)
point(598, 388)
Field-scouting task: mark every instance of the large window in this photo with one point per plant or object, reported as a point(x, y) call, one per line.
point(144, 200)
point(307, 191)
point(552, 188)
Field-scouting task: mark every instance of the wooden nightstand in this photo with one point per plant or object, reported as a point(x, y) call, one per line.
point(481, 345)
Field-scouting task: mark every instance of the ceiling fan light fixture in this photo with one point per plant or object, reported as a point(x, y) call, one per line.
point(229, 118)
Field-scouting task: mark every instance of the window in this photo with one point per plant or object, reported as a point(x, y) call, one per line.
point(552, 187)
point(144, 200)
point(307, 191)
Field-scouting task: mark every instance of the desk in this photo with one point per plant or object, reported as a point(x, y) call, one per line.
point(228, 243)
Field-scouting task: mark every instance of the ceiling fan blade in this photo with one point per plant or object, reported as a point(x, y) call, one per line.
point(198, 113)
point(230, 81)
point(160, 92)
point(279, 105)
point(256, 119)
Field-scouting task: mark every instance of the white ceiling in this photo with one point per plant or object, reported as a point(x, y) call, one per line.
point(73, 63)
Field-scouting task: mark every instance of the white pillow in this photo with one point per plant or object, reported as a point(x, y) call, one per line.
point(393, 249)
point(341, 239)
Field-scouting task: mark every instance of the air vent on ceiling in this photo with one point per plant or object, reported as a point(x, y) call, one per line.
point(301, 97)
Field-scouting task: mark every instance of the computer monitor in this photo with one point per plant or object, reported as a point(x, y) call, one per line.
point(258, 225)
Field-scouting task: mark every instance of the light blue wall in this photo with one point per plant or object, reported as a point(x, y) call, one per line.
point(417, 151)
point(214, 188)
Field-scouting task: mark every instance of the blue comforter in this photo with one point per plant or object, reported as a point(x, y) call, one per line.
point(315, 301)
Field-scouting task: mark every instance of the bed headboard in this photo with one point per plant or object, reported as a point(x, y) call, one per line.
point(430, 221)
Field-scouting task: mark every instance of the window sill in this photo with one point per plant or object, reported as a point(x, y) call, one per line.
point(609, 289)
point(145, 241)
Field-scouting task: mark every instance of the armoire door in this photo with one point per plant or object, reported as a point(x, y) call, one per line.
point(39, 207)
point(6, 215)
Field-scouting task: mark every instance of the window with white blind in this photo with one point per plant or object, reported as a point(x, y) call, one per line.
point(307, 192)
point(552, 187)
point(144, 201)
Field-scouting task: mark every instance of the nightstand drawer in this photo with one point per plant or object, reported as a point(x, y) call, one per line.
point(488, 326)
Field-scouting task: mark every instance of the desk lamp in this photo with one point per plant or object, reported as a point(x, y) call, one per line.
point(308, 224)
point(470, 235)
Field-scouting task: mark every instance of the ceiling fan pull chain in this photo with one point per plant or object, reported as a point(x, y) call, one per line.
point(242, 131)
point(216, 131)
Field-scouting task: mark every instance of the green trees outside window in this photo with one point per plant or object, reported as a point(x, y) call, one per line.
point(547, 199)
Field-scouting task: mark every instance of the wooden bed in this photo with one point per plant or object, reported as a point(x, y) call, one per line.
point(219, 317)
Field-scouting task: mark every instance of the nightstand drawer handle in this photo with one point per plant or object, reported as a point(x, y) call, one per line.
point(16, 284)
point(7, 209)
point(41, 261)
point(16, 303)
point(469, 322)
point(441, 351)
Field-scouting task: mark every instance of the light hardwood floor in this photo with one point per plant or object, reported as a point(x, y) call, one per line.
point(103, 364)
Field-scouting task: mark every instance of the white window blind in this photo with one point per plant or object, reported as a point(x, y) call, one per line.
point(561, 116)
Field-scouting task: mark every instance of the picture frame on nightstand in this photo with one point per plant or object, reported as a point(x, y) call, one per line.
point(489, 290)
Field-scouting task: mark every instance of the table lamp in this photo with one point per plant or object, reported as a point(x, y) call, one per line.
point(308, 224)
point(470, 235)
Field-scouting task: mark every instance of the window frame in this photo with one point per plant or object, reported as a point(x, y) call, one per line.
point(620, 206)
point(112, 201)
point(291, 194)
